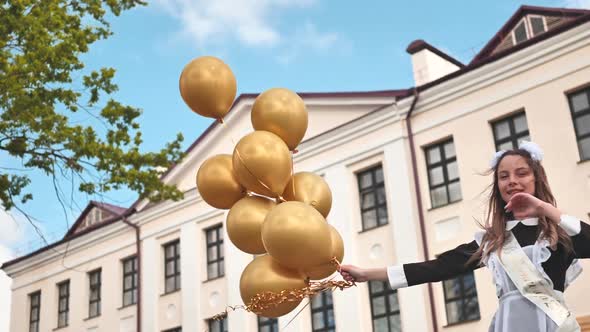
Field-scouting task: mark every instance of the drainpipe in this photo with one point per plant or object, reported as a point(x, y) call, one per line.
point(138, 254)
point(419, 202)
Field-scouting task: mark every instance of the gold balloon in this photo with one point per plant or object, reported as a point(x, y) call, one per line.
point(264, 274)
point(244, 223)
point(297, 236)
point(282, 112)
point(217, 182)
point(310, 188)
point(208, 86)
point(262, 163)
point(325, 270)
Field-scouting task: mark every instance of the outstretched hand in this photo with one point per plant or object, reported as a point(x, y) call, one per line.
point(353, 273)
point(523, 205)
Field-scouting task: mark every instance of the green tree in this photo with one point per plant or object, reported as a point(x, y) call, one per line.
point(44, 85)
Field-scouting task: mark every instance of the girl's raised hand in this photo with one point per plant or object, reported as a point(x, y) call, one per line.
point(353, 273)
point(523, 205)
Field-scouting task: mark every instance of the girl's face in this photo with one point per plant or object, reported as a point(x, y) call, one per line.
point(515, 176)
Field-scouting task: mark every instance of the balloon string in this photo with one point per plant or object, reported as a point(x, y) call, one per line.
point(296, 315)
point(267, 300)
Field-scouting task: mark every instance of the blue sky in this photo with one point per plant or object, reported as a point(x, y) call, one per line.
point(303, 45)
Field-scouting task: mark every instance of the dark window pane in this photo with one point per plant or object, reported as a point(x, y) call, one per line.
point(318, 320)
point(369, 219)
point(376, 286)
point(455, 191)
point(520, 124)
point(379, 306)
point(211, 236)
point(436, 176)
point(520, 33)
point(537, 25)
point(449, 150)
point(381, 199)
point(368, 200)
point(393, 301)
point(212, 253)
point(452, 288)
point(395, 323)
point(580, 101)
point(366, 180)
point(439, 196)
point(452, 171)
point(382, 214)
point(381, 325)
point(583, 124)
point(506, 146)
point(502, 129)
point(584, 145)
point(379, 175)
point(433, 155)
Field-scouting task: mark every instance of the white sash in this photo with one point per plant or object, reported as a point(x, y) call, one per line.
point(531, 284)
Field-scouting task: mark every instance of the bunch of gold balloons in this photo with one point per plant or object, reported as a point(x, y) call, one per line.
point(274, 214)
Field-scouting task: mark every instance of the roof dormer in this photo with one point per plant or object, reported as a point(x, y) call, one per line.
point(528, 23)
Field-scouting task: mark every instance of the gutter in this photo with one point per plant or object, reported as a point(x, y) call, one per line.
point(138, 254)
point(419, 203)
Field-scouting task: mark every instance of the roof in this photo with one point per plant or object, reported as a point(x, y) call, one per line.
point(507, 28)
point(113, 209)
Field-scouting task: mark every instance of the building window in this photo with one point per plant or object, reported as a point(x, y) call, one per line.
point(217, 325)
point(129, 281)
point(372, 198)
point(384, 307)
point(63, 304)
point(268, 324)
point(94, 279)
point(443, 173)
point(176, 329)
point(580, 109)
point(461, 299)
point(528, 28)
point(322, 313)
point(510, 132)
point(172, 266)
point(215, 255)
point(35, 311)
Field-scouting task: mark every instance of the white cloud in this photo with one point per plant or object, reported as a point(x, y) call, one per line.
point(254, 23)
point(584, 4)
point(308, 38)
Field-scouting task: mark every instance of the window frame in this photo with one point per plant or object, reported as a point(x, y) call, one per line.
point(134, 280)
point(175, 275)
point(324, 309)
point(512, 137)
point(372, 189)
point(218, 244)
point(222, 325)
point(63, 311)
point(462, 298)
point(272, 323)
point(385, 292)
point(97, 287)
point(174, 329)
point(528, 27)
point(443, 162)
point(36, 319)
point(576, 115)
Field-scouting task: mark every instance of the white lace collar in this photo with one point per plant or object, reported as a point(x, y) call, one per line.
point(528, 222)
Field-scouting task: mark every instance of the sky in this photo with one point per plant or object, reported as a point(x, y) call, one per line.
point(302, 45)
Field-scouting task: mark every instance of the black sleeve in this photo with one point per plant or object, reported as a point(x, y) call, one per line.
point(581, 241)
point(447, 265)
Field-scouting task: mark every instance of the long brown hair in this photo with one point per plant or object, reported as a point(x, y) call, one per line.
point(496, 217)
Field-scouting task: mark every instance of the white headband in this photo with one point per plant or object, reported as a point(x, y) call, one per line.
point(533, 149)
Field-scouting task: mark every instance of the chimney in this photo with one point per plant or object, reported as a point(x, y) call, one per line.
point(429, 63)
